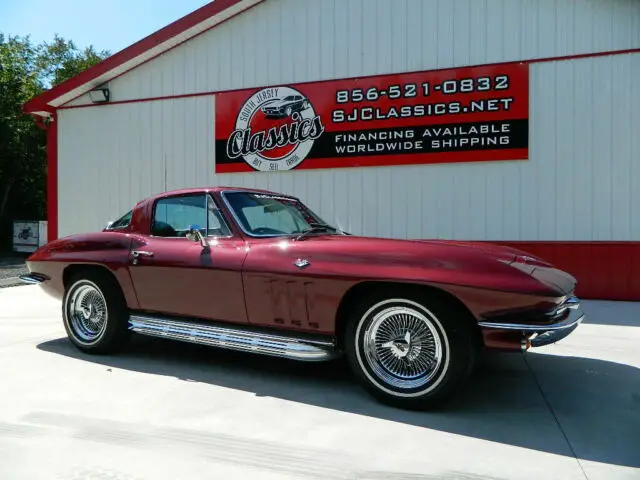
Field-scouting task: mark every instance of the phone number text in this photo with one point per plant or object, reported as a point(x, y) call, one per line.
point(412, 90)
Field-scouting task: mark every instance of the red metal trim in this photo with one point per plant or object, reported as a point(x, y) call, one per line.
point(170, 31)
point(52, 180)
point(578, 56)
point(214, 92)
point(391, 160)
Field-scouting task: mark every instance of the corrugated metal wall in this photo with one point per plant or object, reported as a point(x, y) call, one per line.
point(284, 41)
point(577, 185)
point(113, 156)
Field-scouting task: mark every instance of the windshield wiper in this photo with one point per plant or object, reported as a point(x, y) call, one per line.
point(316, 228)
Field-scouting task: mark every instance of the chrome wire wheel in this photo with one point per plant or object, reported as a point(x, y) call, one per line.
point(404, 347)
point(87, 312)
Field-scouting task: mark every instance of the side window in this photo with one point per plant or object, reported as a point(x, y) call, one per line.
point(122, 222)
point(172, 216)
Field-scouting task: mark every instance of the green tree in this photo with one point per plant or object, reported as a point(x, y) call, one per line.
point(60, 60)
point(26, 70)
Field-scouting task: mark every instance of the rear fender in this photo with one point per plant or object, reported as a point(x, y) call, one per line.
point(109, 250)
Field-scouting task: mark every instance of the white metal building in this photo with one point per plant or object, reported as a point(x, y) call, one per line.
point(569, 192)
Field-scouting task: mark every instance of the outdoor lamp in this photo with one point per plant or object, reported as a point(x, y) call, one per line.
point(99, 95)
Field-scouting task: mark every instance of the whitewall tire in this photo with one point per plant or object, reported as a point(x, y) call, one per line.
point(408, 351)
point(94, 312)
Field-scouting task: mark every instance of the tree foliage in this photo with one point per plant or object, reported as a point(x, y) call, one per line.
point(26, 70)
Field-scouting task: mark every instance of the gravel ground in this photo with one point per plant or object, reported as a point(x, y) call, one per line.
point(11, 266)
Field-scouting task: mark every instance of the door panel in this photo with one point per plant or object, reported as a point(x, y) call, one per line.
point(182, 279)
point(288, 302)
point(280, 294)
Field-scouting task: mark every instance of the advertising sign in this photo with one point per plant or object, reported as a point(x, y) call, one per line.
point(443, 116)
point(29, 235)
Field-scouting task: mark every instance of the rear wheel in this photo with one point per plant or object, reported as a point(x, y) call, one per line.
point(408, 351)
point(94, 312)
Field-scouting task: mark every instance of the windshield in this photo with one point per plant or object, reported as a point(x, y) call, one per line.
point(273, 215)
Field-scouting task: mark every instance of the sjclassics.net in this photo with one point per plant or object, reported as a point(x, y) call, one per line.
point(368, 114)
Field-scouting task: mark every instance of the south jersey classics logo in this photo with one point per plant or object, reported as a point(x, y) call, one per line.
point(275, 130)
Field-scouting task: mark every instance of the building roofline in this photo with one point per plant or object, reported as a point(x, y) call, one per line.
point(168, 37)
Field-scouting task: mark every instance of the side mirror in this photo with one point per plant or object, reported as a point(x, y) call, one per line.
point(192, 233)
point(195, 235)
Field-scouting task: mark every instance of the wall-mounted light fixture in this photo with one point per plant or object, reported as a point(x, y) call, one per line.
point(99, 95)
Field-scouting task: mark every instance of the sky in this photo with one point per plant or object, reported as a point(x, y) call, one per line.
point(111, 25)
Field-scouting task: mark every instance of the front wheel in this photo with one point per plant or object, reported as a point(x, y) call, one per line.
point(94, 312)
point(409, 352)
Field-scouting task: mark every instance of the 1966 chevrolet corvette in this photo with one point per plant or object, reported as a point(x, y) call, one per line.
point(258, 271)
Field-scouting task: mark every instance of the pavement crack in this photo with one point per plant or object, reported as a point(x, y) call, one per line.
point(553, 413)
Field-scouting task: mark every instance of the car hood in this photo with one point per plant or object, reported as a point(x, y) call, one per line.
point(439, 248)
point(501, 252)
point(452, 255)
point(528, 263)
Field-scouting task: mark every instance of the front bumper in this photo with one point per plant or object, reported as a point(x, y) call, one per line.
point(538, 335)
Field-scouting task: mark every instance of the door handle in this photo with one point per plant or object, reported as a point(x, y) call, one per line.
point(140, 253)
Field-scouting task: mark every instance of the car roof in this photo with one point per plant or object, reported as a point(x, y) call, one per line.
point(194, 190)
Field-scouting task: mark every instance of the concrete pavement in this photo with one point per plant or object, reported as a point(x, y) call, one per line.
point(165, 410)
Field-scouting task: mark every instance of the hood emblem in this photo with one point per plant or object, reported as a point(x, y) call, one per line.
point(302, 263)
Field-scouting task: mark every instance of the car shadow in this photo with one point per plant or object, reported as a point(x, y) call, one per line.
point(596, 402)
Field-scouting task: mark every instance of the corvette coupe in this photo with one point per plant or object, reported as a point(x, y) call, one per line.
point(280, 108)
point(258, 271)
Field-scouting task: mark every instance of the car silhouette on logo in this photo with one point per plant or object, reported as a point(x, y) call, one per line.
point(284, 107)
point(25, 233)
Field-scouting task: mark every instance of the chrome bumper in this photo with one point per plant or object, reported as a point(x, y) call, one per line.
point(540, 335)
point(33, 278)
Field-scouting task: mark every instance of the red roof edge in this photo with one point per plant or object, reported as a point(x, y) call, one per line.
point(41, 102)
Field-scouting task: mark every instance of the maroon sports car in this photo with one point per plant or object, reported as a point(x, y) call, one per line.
point(259, 272)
